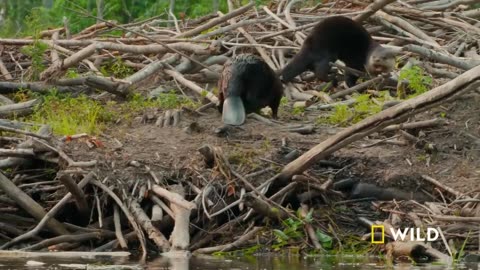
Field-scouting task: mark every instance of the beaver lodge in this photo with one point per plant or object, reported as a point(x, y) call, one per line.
point(114, 143)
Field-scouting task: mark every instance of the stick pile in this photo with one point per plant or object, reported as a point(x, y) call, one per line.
point(440, 36)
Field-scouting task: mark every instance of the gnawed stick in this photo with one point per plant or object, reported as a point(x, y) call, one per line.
point(419, 124)
point(118, 228)
point(263, 208)
point(466, 82)
point(152, 232)
point(64, 255)
point(235, 244)
point(53, 211)
point(464, 64)
point(29, 205)
point(130, 218)
point(77, 193)
point(173, 197)
point(71, 238)
point(180, 237)
point(371, 9)
point(442, 186)
point(309, 228)
point(179, 77)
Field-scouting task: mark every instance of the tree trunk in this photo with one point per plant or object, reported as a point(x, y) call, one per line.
point(100, 7)
point(215, 6)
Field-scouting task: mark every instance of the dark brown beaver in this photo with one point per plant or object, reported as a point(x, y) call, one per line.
point(339, 38)
point(247, 84)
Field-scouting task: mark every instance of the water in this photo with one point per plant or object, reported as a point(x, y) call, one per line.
point(237, 263)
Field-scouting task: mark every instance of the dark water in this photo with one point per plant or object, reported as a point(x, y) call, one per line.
point(237, 263)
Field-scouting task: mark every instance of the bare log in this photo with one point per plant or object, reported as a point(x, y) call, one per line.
point(19, 109)
point(180, 237)
point(468, 81)
point(152, 232)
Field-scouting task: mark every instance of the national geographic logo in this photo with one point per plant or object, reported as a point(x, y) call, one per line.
point(415, 234)
point(378, 234)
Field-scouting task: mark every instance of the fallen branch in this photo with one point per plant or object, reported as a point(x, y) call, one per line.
point(468, 81)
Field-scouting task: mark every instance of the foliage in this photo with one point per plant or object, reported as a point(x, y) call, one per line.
point(418, 80)
point(69, 115)
point(343, 114)
point(170, 100)
point(116, 68)
point(20, 13)
point(36, 52)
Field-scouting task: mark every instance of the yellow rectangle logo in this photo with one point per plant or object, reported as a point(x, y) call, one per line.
point(377, 228)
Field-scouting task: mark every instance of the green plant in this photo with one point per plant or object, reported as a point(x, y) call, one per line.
point(35, 52)
point(69, 115)
point(116, 68)
point(298, 110)
point(169, 100)
point(343, 114)
point(418, 80)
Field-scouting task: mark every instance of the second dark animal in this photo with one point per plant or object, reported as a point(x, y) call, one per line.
point(339, 38)
point(246, 85)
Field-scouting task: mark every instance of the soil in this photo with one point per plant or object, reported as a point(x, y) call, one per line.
point(449, 153)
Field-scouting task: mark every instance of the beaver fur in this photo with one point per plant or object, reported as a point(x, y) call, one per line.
point(248, 78)
point(339, 38)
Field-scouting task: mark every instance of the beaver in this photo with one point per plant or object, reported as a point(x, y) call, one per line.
point(247, 84)
point(339, 38)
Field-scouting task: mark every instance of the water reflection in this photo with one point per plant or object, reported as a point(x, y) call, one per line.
point(290, 263)
point(235, 263)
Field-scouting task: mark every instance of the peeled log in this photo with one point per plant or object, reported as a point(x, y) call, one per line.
point(468, 81)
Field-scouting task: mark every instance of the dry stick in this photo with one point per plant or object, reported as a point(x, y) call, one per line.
point(173, 197)
point(152, 40)
point(54, 53)
point(31, 134)
point(408, 27)
point(179, 77)
point(298, 35)
point(69, 61)
point(235, 244)
point(309, 227)
point(64, 156)
point(3, 69)
point(29, 205)
point(250, 39)
point(21, 153)
point(64, 255)
point(49, 215)
point(229, 28)
point(216, 21)
point(357, 88)
point(371, 9)
point(152, 232)
point(419, 124)
point(77, 193)
point(19, 109)
point(463, 83)
point(118, 228)
point(130, 218)
point(70, 238)
point(442, 186)
point(180, 237)
point(464, 64)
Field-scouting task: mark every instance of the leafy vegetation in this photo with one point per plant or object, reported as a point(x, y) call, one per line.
point(69, 115)
point(419, 82)
point(343, 114)
point(116, 68)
